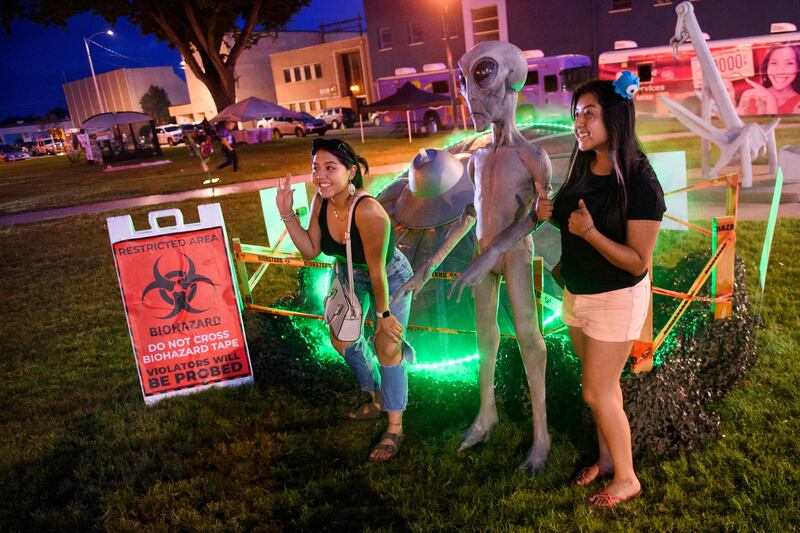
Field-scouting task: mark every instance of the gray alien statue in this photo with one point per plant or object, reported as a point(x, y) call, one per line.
point(508, 173)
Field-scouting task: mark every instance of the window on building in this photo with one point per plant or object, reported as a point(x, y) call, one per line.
point(312, 105)
point(302, 106)
point(317, 70)
point(645, 73)
point(415, 33)
point(384, 38)
point(307, 71)
point(532, 78)
point(550, 83)
point(621, 5)
point(452, 26)
point(485, 24)
point(297, 74)
point(287, 75)
point(440, 87)
point(292, 107)
point(353, 78)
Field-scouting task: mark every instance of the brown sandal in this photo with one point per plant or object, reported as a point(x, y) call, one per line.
point(392, 447)
point(367, 411)
point(584, 476)
point(606, 500)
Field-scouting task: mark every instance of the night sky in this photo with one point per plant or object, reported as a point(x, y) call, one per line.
point(37, 61)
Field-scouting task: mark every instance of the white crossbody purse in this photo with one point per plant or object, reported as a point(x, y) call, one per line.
point(342, 309)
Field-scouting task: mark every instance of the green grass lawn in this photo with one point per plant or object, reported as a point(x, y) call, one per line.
point(49, 182)
point(691, 145)
point(79, 450)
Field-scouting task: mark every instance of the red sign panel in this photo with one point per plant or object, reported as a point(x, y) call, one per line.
point(182, 311)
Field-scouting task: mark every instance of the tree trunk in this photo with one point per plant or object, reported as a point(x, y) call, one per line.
point(221, 85)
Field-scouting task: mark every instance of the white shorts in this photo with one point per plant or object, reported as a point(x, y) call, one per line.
point(613, 316)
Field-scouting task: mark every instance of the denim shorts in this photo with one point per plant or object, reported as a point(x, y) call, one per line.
point(398, 271)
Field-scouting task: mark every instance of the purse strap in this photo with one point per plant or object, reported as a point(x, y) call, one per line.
point(350, 215)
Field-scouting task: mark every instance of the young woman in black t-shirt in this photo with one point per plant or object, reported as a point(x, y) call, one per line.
point(609, 211)
point(380, 269)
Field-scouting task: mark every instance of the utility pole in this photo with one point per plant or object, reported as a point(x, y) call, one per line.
point(450, 70)
point(86, 40)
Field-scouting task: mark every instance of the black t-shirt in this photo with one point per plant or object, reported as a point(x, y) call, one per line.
point(338, 250)
point(584, 269)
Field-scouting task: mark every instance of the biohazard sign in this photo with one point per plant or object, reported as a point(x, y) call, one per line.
point(180, 301)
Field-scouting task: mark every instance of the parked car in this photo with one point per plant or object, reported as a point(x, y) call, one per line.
point(30, 147)
point(170, 134)
point(376, 118)
point(336, 116)
point(48, 146)
point(314, 125)
point(16, 155)
point(281, 126)
point(12, 153)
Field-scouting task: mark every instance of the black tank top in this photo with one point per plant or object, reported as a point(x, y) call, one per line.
point(338, 250)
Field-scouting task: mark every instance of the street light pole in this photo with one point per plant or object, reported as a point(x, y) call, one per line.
point(86, 40)
point(451, 74)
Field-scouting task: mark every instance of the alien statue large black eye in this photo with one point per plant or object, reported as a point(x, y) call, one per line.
point(484, 71)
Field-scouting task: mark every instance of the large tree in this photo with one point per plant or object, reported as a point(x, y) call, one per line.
point(155, 103)
point(210, 35)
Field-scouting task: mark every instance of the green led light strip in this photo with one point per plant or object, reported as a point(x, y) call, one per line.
point(443, 364)
point(461, 360)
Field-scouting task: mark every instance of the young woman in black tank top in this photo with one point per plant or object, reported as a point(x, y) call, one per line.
point(379, 271)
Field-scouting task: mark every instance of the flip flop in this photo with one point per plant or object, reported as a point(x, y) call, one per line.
point(584, 477)
point(392, 447)
point(606, 500)
point(366, 411)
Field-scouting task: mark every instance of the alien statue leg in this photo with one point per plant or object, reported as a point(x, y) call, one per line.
point(519, 285)
point(488, 336)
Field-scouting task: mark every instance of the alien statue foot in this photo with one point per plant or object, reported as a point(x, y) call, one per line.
point(537, 457)
point(477, 432)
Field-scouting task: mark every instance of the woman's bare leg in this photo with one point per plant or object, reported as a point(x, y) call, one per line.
point(602, 368)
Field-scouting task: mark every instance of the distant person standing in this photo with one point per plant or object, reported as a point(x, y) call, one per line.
point(229, 146)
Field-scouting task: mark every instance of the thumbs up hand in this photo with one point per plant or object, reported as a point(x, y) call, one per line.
point(544, 206)
point(580, 221)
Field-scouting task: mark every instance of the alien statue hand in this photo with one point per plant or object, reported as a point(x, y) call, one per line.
point(418, 280)
point(474, 273)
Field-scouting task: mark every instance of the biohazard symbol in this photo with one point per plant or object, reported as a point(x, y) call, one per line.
point(177, 288)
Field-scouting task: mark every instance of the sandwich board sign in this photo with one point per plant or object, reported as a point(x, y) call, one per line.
point(179, 294)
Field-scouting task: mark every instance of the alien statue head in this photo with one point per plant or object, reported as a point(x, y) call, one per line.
point(491, 74)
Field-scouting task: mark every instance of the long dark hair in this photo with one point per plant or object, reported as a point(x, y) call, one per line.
point(766, 82)
point(346, 156)
point(625, 151)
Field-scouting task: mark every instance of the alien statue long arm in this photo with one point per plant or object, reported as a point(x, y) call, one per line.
point(541, 170)
point(454, 235)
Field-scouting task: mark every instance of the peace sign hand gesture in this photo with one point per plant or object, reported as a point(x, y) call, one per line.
point(284, 199)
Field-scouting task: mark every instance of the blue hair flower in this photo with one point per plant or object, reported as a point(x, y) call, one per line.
point(626, 84)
